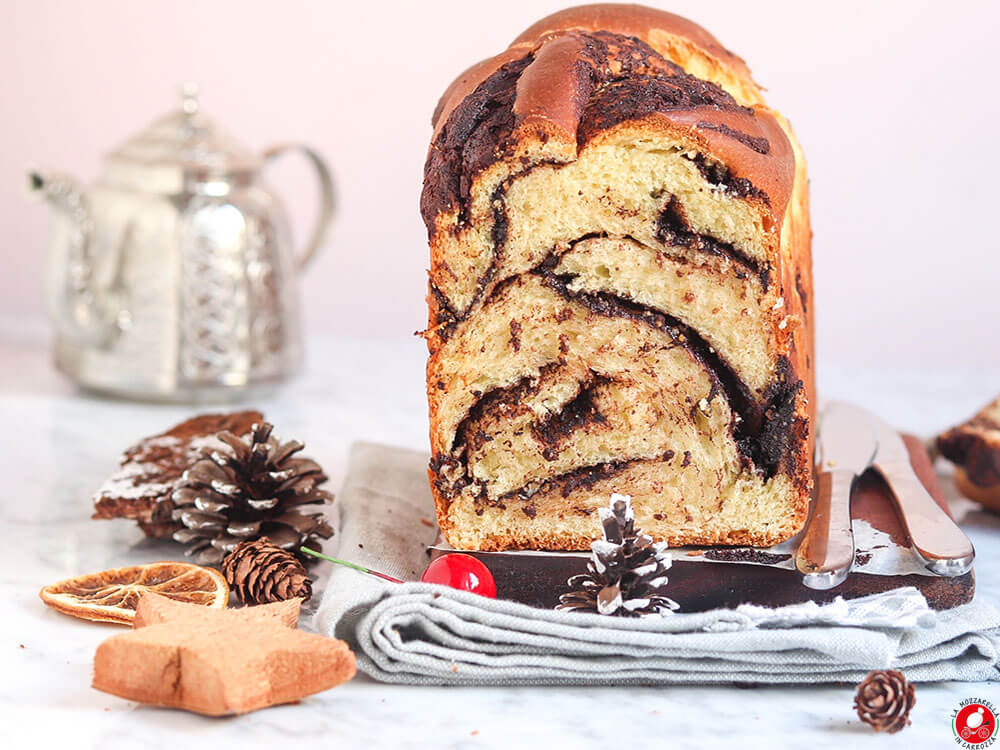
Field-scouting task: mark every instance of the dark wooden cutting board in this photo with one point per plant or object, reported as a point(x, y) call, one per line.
point(539, 578)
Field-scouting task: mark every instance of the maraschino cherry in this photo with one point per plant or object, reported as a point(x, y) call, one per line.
point(462, 572)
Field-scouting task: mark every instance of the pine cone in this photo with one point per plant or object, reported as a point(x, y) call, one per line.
point(259, 573)
point(247, 491)
point(884, 699)
point(624, 571)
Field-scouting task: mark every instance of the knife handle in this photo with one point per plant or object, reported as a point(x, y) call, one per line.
point(935, 537)
point(826, 552)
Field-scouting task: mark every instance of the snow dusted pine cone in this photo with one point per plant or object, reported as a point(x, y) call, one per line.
point(247, 491)
point(625, 569)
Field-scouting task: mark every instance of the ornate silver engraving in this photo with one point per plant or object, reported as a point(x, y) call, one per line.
point(267, 328)
point(214, 310)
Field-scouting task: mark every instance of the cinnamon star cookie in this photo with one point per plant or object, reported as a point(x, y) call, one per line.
point(219, 662)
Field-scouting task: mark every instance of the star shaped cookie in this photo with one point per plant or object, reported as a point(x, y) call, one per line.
point(219, 662)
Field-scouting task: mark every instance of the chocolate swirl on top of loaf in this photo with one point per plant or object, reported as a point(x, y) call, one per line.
point(586, 83)
point(472, 139)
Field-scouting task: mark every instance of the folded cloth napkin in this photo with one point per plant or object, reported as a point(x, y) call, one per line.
point(424, 634)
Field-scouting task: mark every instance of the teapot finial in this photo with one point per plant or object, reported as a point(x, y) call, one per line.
point(189, 97)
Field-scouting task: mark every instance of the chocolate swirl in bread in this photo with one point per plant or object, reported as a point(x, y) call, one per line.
point(974, 448)
point(619, 268)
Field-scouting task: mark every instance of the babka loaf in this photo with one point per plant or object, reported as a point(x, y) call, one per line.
point(974, 448)
point(620, 273)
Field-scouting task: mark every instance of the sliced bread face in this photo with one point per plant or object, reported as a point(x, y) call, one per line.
point(618, 298)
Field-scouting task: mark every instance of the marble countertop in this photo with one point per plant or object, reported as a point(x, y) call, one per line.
point(57, 445)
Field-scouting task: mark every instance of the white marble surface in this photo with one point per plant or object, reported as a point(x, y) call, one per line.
point(57, 445)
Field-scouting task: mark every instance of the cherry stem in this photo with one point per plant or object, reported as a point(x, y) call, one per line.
point(346, 564)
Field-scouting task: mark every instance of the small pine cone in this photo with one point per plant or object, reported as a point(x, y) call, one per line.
point(260, 572)
point(625, 571)
point(884, 699)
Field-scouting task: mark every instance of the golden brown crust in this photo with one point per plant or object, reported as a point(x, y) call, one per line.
point(469, 81)
point(530, 538)
point(676, 38)
point(654, 27)
point(988, 497)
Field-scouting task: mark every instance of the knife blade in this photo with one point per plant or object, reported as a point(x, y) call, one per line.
point(847, 444)
point(936, 538)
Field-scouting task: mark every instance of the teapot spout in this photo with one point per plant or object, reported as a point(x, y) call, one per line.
point(78, 306)
point(63, 193)
point(50, 185)
point(36, 181)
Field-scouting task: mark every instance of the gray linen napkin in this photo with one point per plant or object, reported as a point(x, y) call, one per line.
point(423, 634)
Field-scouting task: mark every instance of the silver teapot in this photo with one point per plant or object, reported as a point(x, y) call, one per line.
point(173, 277)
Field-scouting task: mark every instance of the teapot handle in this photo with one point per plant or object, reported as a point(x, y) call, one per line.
point(328, 205)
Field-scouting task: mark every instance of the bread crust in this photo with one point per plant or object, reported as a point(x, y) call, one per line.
point(552, 121)
point(675, 37)
point(536, 539)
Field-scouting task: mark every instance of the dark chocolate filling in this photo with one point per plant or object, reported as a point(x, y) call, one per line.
point(973, 451)
point(498, 234)
point(515, 335)
point(673, 228)
point(803, 294)
point(718, 173)
point(473, 138)
point(763, 432)
point(769, 447)
point(444, 313)
point(724, 377)
point(746, 555)
point(755, 143)
point(585, 477)
point(638, 96)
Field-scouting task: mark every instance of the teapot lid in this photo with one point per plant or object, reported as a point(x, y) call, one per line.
point(181, 147)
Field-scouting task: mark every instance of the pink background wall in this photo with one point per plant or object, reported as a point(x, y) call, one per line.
point(895, 102)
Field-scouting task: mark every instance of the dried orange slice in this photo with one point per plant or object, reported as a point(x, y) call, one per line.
point(111, 596)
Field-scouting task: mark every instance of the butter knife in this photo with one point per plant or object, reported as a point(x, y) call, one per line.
point(936, 538)
point(847, 444)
